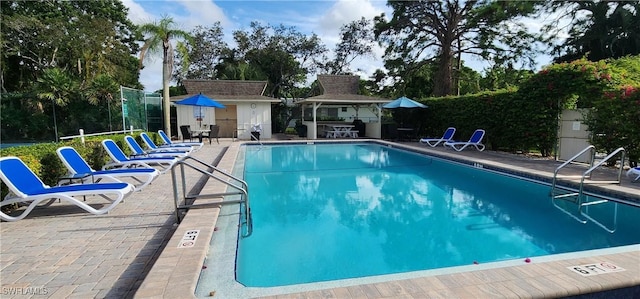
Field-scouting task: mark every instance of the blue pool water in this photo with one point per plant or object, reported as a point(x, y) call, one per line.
point(333, 211)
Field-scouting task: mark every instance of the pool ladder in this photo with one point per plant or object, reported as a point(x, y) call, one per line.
point(577, 196)
point(239, 188)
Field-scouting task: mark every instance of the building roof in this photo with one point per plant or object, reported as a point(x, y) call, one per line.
point(341, 90)
point(227, 90)
point(338, 84)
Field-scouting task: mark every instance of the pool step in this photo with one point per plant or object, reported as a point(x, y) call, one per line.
point(576, 205)
point(572, 197)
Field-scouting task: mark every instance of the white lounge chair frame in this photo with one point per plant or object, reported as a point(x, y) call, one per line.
point(635, 171)
point(447, 136)
point(168, 143)
point(475, 140)
point(27, 189)
point(77, 166)
point(139, 152)
point(153, 148)
point(120, 160)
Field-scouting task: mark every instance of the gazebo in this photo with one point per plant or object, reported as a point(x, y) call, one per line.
point(342, 91)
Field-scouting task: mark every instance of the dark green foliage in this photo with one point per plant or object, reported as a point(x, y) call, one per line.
point(598, 30)
point(51, 168)
point(490, 111)
point(97, 157)
point(60, 52)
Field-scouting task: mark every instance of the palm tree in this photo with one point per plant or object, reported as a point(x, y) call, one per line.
point(102, 88)
point(57, 86)
point(159, 36)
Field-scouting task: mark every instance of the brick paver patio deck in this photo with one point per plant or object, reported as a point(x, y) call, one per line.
point(63, 252)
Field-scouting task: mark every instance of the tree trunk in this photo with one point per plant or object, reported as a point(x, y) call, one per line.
point(166, 107)
point(443, 81)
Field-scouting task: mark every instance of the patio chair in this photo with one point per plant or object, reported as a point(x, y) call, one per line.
point(81, 170)
point(152, 147)
point(213, 133)
point(635, 171)
point(27, 189)
point(186, 132)
point(433, 142)
point(475, 140)
point(120, 160)
point(139, 152)
point(168, 143)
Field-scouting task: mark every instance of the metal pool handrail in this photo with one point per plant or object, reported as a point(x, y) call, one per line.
point(211, 171)
point(592, 158)
point(578, 197)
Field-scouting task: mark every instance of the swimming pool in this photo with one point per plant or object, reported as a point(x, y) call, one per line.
point(334, 211)
point(222, 254)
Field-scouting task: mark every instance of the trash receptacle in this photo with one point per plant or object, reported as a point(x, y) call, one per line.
point(360, 127)
point(255, 131)
point(255, 135)
point(302, 130)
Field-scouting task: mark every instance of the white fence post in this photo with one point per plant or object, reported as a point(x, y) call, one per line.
point(81, 131)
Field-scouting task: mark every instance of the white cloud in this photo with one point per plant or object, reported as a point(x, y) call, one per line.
point(202, 13)
point(137, 13)
point(344, 12)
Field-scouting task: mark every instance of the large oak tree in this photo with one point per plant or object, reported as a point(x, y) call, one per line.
point(422, 32)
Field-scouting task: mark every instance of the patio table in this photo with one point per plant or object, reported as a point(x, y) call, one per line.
point(342, 131)
point(200, 132)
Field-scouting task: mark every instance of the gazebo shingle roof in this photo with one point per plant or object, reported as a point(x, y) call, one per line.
point(341, 89)
point(338, 84)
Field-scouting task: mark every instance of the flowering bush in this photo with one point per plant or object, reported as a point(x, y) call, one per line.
point(615, 121)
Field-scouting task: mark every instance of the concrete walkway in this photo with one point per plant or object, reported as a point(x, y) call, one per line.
point(61, 251)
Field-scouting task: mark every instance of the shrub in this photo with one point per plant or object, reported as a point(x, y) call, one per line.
point(291, 131)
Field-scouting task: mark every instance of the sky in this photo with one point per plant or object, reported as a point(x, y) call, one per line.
point(322, 17)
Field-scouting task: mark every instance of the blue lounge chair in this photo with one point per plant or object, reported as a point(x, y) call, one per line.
point(138, 152)
point(475, 140)
point(120, 160)
point(433, 142)
point(635, 171)
point(167, 142)
point(152, 147)
point(26, 188)
point(79, 168)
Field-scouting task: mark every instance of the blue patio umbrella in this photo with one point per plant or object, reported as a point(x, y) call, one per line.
point(400, 105)
point(403, 102)
point(200, 100)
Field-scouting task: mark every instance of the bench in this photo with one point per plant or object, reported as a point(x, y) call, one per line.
point(341, 134)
